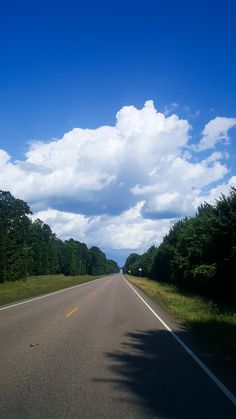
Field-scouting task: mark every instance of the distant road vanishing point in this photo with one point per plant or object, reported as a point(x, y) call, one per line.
point(98, 351)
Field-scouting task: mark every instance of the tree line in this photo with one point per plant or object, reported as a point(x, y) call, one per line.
point(31, 248)
point(198, 253)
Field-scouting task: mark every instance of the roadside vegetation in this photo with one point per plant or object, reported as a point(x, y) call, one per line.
point(29, 248)
point(205, 317)
point(11, 291)
point(34, 261)
point(193, 271)
point(198, 254)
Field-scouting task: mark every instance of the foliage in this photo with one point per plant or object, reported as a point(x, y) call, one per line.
point(31, 248)
point(198, 253)
point(14, 224)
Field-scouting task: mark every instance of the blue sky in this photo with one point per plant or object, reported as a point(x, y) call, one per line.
point(67, 65)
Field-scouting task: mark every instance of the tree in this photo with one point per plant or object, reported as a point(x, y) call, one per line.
point(198, 253)
point(14, 227)
point(28, 247)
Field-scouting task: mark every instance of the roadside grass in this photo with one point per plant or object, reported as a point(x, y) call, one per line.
point(37, 285)
point(209, 320)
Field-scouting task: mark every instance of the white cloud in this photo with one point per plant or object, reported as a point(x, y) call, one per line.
point(217, 155)
point(168, 109)
point(120, 186)
point(129, 230)
point(216, 192)
point(88, 165)
point(215, 131)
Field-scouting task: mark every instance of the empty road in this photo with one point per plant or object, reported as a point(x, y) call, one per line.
point(98, 351)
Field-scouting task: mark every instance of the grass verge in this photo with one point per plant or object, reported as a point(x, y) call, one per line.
point(212, 322)
point(37, 285)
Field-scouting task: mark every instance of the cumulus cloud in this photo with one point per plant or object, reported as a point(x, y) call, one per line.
point(174, 186)
point(215, 192)
point(96, 169)
point(120, 186)
point(215, 131)
point(129, 230)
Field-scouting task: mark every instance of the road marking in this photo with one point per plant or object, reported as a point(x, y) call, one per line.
point(201, 364)
point(50, 294)
point(72, 312)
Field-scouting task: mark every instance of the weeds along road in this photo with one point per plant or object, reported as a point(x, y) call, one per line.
point(98, 351)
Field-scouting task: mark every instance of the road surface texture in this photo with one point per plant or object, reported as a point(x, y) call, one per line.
point(97, 351)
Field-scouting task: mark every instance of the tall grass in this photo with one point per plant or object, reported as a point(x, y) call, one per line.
point(36, 285)
point(210, 320)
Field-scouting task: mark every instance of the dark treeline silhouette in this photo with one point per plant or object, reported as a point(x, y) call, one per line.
point(31, 248)
point(198, 253)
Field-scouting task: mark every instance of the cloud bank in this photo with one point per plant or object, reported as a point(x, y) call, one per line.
point(122, 186)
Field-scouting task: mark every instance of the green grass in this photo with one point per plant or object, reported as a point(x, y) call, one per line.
point(211, 321)
point(37, 285)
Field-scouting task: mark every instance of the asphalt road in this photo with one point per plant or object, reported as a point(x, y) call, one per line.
point(97, 351)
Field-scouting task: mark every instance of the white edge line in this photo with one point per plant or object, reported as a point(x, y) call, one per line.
point(201, 364)
point(49, 294)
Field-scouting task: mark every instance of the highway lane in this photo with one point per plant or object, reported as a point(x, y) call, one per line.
point(97, 351)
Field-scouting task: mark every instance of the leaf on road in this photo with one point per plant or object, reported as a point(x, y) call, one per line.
point(34, 344)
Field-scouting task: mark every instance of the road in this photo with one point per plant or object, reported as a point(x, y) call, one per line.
point(97, 351)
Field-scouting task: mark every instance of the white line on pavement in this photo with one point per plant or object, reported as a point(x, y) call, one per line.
point(210, 374)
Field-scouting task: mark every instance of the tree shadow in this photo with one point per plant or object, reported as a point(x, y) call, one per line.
point(156, 375)
point(219, 332)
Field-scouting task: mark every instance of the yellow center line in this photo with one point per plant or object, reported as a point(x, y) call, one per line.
point(72, 312)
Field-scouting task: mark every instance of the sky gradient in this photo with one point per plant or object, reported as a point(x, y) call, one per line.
point(168, 70)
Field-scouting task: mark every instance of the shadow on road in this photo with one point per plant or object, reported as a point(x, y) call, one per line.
point(156, 374)
point(221, 333)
